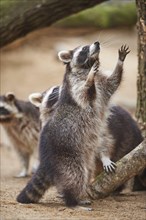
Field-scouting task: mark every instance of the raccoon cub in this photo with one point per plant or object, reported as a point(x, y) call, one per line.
point(73, 135)
point(20, 121)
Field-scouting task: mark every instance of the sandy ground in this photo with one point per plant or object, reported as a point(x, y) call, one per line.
point(124, 207)
point(31, 65)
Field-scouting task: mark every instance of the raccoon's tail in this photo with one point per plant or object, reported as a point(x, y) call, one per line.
point(35, 188)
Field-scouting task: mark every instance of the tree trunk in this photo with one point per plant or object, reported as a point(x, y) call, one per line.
point(129, 166)
point(141, 80)
point(19, 18)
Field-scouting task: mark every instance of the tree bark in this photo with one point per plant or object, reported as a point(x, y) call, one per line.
point(129, 166)
point(141, 80)
point(19, 18)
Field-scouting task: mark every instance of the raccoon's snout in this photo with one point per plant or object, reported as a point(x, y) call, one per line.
point(4, 111)
point(94, 48)
point(5, 115)
point(97, 44)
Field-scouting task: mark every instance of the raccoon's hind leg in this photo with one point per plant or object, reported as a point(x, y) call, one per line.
point(73, 183)
point(35, 188)
point(128, 186)
point(71, 201)
point(24, 159)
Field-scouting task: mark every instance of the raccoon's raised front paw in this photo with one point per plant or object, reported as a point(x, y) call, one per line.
point(91, 75)
point(108, 165)
point(123, 51)
point(95, 66)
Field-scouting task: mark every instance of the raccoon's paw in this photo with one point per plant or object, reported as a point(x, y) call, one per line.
point(91, 75)
point(123, 51)
point(108, 165)
point(84, 202)
point(92, 71)
point(110, 168)
point(60, 195)
point(82, 208)
point(22, 174)
point(23, 198)
point(95, 66)
point(35, 167)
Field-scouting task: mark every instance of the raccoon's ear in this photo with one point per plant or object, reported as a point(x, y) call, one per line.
point(36, 99)
point(65, 56)
point(10, 96)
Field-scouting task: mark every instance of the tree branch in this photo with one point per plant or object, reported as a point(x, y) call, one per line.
point(19, 18)
point(129, 166)
point(141, 79)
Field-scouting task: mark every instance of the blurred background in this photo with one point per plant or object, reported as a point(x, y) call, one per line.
point(30, 64)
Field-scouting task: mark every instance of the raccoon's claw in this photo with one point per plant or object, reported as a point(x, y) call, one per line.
point(123, 51)
point(110, 169)
point(109, 166)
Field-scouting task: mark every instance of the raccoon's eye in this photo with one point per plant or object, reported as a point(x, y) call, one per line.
point(56, 89)
point(84, 48)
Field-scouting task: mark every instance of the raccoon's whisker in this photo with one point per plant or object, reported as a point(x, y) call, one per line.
point(108, 39)
point(99, 35)
point(109, 44)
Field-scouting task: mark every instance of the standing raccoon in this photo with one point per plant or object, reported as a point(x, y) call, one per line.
point(73, 135)
point(20, 121)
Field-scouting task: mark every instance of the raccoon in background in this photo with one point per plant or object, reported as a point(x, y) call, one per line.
point(20, 120)
point(121, 125)
point(73, 136)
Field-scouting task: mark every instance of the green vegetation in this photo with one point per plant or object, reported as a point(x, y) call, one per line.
point(103, 16)
point(8, 4)
point(5, 4)
point(11, 7)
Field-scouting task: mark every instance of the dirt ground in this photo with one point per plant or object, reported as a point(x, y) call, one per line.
point(31, 65)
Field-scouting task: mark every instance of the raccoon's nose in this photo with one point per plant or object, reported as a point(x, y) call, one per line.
point(97, 43)
point(4, 111)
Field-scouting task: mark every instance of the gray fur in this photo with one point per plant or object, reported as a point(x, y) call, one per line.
point(20, 121)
